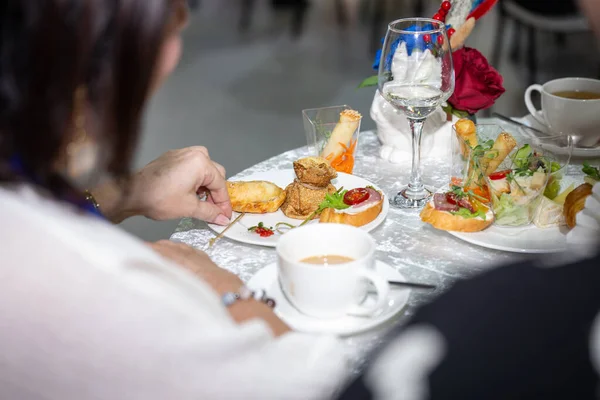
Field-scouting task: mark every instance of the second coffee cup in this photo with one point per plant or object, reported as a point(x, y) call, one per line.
point(569, 105)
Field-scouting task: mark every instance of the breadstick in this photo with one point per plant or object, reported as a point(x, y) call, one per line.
point(342, 133)
point(467, 135)
point(503, 145)
point(460, 36)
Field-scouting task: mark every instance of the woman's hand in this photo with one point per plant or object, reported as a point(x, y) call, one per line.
point(168, 188)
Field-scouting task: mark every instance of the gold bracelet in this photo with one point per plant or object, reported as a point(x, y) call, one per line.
point(90, 198)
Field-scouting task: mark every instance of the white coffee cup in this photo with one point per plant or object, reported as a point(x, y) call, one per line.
point(563, 115)
point(329, 291)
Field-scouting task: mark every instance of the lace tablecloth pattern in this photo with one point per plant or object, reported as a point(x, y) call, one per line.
point(420, 252)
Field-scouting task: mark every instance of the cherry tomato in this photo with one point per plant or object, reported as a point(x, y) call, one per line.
point(438, 17)
point(356, 196)
point(440, 40)
point(446, 6)
point(499, 175)
point(427, 38)
point(451, 32)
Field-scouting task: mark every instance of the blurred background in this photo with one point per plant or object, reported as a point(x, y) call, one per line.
point(249, 67)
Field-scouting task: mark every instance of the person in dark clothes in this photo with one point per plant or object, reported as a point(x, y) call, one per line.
point(517, 332)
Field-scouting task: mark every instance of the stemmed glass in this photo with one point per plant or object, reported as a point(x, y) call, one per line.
point(416, 76)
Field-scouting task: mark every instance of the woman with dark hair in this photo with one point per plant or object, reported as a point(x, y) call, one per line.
point(87, 311)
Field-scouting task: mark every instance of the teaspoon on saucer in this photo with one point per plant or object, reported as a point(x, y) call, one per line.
point(413, 285)
point(578, 141)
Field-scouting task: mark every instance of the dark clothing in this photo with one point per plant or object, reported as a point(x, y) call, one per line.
point(517, 332)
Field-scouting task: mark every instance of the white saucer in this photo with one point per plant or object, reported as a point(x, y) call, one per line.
point(530, 121)
point(266, 279)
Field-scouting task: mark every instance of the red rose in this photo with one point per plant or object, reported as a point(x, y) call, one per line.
point(478, 84)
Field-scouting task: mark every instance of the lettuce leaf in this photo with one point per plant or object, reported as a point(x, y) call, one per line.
point(509, 213)
point(463, 212)
point(590, 171)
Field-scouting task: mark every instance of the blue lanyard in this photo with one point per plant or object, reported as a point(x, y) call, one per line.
point(16, 164)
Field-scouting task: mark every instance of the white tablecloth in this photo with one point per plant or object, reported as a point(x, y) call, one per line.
point(420, 252)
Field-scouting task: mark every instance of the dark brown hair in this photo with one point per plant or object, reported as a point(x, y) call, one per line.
point(49, 48)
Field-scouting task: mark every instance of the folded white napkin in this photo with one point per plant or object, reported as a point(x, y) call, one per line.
point(394, 133)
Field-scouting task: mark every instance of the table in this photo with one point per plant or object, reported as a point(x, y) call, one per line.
point(420, 252)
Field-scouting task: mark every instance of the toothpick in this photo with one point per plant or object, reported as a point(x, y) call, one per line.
point(212, 241)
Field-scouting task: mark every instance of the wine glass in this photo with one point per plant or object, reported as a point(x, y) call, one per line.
point(416, 76)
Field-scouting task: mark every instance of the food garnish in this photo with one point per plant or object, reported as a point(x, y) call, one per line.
point(478, 193)
point(469, 206)
point(332, 200)
point(463, 212)
point(454, 181)
point(592, 174)
point(499, 175)
point(575, 202)
point(553, 187)
point(560, 199)
point(279, 227)
point(344, 162)
point(339, 149)
point(521, 157)
point(515, 191)
point(341, 200)
point(262, 230)
point(356, 196)
point(490, 155)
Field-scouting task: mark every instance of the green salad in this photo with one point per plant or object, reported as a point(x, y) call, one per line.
point(516, 192)
point(509, 213)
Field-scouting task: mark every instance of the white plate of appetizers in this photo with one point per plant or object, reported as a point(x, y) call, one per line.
point(528, 239)
point(282, 178)
point(522, 239)
point(266, 279)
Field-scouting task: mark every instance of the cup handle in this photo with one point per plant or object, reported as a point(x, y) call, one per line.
point(530, 107)
point(381, 287)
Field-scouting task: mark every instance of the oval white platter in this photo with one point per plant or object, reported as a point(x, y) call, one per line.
point(528, 239)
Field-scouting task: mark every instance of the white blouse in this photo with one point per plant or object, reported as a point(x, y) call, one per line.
point(90, 312)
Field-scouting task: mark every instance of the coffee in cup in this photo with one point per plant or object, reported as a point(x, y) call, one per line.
point(570, 106)
point(324, 270)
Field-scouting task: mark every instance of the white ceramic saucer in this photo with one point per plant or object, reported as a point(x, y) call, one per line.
point(266, 279)
point(530, 121)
